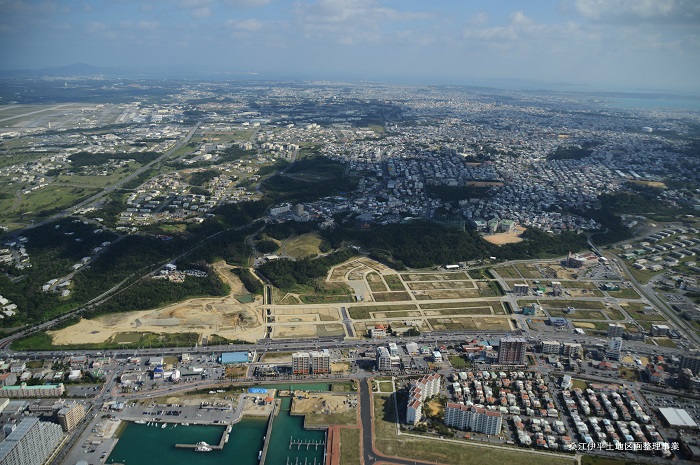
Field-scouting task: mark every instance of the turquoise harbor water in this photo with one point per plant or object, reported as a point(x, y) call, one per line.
point(306, 446)
point(149, 445)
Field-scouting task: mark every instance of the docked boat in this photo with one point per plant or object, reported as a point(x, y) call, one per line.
point(202, 443)
point(203, 449)
point(185, 424)
point(259, 455)
point(164, 425)
point(140, 422)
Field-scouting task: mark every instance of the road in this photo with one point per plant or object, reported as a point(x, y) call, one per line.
point(369, 454)
point(649, 293)
point(90, 200)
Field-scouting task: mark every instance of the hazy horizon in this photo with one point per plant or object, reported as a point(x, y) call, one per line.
point(630, 45)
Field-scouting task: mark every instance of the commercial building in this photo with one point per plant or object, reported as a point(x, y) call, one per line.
point(614, 349)
point(386, 361)
point(659, 330)
point(572, 349)
point(70, 415)
point(8, 379)
point(521, 289)
point(21, 391)
point(237, 357)
point(551, 347)
point(419, 391)
point(31, 443)
point(691, 361)
point(511, 351)
point(615, 330)
point(470, 418)
point(677, 418)
point(320, 361)
point(301, 363)
point(378, 331)
point(393, 349)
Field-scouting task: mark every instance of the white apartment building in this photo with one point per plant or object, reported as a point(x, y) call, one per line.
point(470, 418)
point(30, 443)
point(420, 390)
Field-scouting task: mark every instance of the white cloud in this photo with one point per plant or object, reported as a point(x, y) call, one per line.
point(193, 3)
point(203, 12)
point(93, 27)
point(142, 25)
point(351, 21)
point(246, 3)
point(647, 10)
point(246, 25)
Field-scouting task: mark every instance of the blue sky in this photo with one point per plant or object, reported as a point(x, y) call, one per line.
point(614, 44)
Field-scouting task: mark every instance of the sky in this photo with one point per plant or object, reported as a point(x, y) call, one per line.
point(598, 44)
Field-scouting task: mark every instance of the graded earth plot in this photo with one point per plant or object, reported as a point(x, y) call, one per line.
point(221, 316)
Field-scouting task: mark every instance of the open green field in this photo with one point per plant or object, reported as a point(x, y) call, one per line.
point(461, 311)
point(439, 306)
point(364, 313)
point(43, 341)
point(43, 202)
point(420, 277)
point(302, 246)
point(466, 323)
point(450, 453)
point(508, 272)
point(391, 296)
point(665, 342)
point(325, 299)
point(528, 270)
point(579, 314)
point(322, 419)
point(394, 282)
point(625, 293)
point(349, 446)
point(376, 284)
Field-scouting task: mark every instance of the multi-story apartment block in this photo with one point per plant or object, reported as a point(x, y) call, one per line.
point(420, 390)
point(31, 443)
point(70, 415)
point(472, 418)
point(511, 351)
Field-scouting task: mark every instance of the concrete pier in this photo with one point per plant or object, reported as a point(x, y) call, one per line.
point(222, 441)
point(268, 432)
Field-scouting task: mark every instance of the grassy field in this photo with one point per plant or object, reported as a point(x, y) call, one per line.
point(480, 324)
point(375, 283)
point(458, 362)
point(451, 453)
point(420, 277)
point(363, 313)
point(321, 419)
point(394, 282)
point(391, 296)
point(302, 246)
point(45, 201)
point(626, 293)
point(597, 460)
point(508, 272)
point(528, 271)
point(665, 342)
point(349, 446)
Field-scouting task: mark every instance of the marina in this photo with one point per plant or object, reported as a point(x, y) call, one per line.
point(249, 435)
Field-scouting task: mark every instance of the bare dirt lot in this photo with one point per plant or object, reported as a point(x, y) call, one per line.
point(506, 238)
point(224, 316)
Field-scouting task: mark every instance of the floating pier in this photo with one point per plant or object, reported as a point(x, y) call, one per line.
point(222, 441)
point(306, 443)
